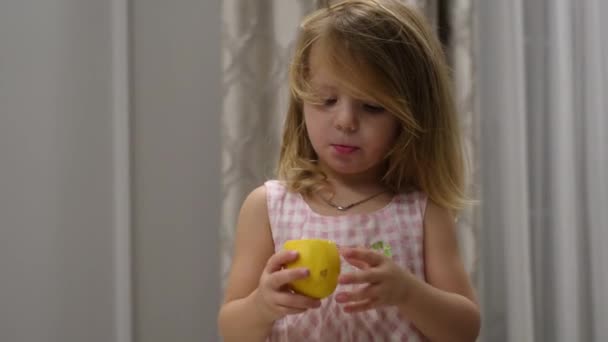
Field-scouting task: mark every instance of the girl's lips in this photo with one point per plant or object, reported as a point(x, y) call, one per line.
point(344, 149)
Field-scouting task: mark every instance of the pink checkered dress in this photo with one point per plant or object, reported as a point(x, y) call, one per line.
point(398, 225)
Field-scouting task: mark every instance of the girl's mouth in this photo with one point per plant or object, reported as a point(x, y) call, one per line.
point(344, 149)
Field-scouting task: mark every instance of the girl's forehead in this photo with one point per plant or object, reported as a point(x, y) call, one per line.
point(324, 81)
point(330, 73)
point(327, 82)
point(342, 74)
point(320, 66)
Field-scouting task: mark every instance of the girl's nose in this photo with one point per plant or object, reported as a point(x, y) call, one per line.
point(346, 118)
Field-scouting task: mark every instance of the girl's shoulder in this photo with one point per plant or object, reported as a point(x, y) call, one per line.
point(275, 186)
point(275, 190)
point(256, 201)
point(278, 195)
point(412, 200)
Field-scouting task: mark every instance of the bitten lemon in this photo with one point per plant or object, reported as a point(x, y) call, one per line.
point(322, 258)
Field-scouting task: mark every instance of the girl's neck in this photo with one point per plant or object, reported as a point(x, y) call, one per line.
point(368, 181)
point(346, 189)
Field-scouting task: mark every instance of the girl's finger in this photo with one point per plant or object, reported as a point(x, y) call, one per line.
point(359, 306)
point(360, 277)
point(297, 301)
point(362, 265)
point(285, 310)
point(279, 259)
point(369, 256)
point(361, 294)
point(283, 277)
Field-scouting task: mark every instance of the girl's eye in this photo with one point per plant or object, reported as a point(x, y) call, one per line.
point(329, 102)
point(373, 108)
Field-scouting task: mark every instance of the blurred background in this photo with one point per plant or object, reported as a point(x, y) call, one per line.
point(131, 130)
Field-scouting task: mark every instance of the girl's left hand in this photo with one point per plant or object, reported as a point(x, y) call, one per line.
point(385, 283)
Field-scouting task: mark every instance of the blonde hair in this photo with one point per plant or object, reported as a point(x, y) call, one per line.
point(400, 64)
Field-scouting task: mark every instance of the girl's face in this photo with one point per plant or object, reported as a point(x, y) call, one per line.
point(351, 136)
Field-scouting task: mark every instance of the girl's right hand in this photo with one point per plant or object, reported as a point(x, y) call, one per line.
point(273, 295)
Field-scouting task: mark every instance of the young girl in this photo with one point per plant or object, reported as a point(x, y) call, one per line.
point(370, 159)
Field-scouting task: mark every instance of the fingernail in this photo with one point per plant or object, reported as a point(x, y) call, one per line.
point(305, 272)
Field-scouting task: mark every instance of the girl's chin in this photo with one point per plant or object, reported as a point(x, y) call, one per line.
point(347, 169)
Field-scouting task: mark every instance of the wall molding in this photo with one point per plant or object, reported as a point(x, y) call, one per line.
point(121, 117)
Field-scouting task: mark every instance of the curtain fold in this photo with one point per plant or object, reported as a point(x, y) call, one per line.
point(541, 85)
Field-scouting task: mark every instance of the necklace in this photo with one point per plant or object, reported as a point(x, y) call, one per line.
point(346, 207)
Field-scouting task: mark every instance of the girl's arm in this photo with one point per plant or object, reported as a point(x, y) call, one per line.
point(240, 318)
point(445, 308)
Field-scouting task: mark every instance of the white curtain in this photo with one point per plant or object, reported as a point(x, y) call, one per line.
point(257, 41)
point(459, 49)
point(542, 84)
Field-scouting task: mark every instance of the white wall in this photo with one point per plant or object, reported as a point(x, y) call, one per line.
point(177, 103)
point(99, 220)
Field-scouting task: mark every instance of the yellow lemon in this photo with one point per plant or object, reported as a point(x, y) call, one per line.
point(322, 258)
